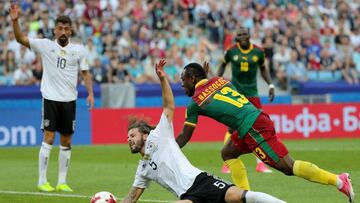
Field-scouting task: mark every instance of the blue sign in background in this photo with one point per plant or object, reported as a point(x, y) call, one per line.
point(21, 127)
point(20, 116)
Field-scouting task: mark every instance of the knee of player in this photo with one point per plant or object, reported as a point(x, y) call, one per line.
point(226, 154)
point(234, 194)
point(287, 171)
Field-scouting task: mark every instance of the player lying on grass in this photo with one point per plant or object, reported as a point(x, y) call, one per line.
point(218, 99)
point(164, 162)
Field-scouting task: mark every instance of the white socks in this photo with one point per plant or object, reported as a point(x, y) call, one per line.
point(258, 160)
point(44, 156)
point(259, 197)
point(64, 162)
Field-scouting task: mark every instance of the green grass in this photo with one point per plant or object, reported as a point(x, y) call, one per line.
point(112, 168)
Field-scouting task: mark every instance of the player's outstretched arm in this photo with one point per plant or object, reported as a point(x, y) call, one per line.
point(266, 75)
point(185, 135)
point(167, 94)
point(221, 69)
point(133, 195)
point(19, 36)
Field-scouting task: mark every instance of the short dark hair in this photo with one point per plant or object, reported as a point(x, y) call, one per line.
point(63, 19)
point(141, 125)
point(195, 69)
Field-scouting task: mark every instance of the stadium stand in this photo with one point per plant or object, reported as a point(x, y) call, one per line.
point(124, 38)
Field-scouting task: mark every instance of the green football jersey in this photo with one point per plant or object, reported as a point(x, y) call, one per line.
point(244, 66)
point(218, 99)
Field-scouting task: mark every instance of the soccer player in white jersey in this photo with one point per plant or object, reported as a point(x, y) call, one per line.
point(163, 162)
point(61, 60)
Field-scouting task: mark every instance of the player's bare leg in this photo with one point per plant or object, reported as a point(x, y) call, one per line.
point(64, 162)
point(238, 171)
point(237, 195)
point(260, 166)
point(225, 168)
point(312, 172)
point(44, 157)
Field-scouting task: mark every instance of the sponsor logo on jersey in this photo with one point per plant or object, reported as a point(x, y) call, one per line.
point(245, 58)
point(150, 147)
point(235, 58)
point(62, 53)
point(255, 58)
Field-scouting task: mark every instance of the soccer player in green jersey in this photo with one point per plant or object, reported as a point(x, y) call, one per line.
point(245, 58)
point(218, 99)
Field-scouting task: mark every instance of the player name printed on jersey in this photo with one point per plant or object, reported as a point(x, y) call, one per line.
point(204, 92)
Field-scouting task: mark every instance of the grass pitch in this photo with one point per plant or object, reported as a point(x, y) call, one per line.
point(112, 168)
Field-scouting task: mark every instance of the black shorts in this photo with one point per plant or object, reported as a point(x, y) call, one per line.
point(207, 189)
point(58, 116)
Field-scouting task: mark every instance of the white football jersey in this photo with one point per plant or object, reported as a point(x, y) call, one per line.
point(61, 66)
point(164, 162)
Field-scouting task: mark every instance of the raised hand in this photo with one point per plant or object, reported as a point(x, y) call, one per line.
point(271, 94)
point(159, 68)
point(14, 11)
point(206, 67)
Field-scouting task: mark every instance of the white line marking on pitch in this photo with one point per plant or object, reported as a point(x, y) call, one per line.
point(67, 195)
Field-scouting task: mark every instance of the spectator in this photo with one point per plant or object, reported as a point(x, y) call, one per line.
point(149, 64)
point(91, 52)
point(136, 71)
point(37, 70)
point(10, 63)
point(118, 73)
point(344, 61)
point(355, 37)
point(46, 25)
point(92, 11)
point(215, 23)
point(98, 71)
point(26, 55)
point(356, 59)
point(313, 62)
point(13, 45)
point(281, 58)
point(201, 11)
point(327, 61)
point(23, 75)
point(295, 71)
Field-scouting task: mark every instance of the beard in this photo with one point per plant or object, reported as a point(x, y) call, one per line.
point(63, 40)
point(137, 146)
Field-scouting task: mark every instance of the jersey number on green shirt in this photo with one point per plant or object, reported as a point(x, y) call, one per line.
point(231, 96)
point(244, 66)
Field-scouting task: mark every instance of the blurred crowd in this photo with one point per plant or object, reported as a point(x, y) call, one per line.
point(303, 39)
